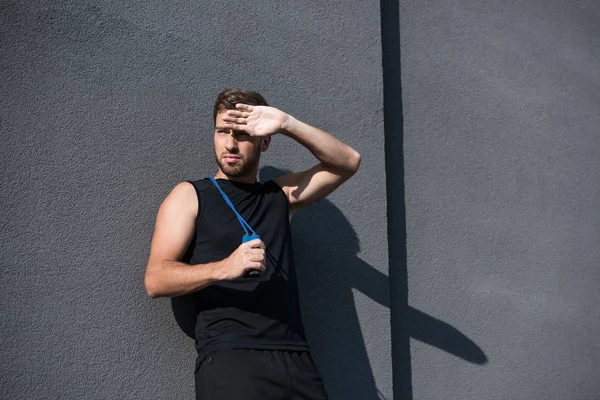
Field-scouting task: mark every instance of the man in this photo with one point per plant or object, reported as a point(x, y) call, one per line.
point(248, 330)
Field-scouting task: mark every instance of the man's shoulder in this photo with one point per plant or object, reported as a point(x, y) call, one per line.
point(199, 184)
point(272, 187)
point(199, 181)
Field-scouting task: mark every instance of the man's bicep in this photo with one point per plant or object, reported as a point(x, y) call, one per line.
point(306, 187)
point(175, 224)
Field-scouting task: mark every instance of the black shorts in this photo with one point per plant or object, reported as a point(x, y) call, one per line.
point(249, 374)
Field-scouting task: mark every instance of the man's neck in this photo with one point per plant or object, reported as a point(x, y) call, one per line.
point(240, 179)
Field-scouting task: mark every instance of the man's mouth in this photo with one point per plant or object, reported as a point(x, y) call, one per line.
point(231, 158)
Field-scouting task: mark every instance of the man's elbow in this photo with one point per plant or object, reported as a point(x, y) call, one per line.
point(353, 162)
point(151, 286)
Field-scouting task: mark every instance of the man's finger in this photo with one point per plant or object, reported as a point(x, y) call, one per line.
point(236, 113)
point(244, 107)
point(256, 243)
point(257, 266)
point(236, 127)
point(238, 121)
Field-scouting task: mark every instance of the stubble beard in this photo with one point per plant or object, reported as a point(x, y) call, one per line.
point(241, 168)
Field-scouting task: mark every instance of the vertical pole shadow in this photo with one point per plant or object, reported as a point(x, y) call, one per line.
point(396, 213)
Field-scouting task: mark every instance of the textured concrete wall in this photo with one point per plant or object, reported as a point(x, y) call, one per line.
point(105, 106)
point(501, 105)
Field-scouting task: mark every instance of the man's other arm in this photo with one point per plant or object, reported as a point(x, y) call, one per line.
point(174, 230)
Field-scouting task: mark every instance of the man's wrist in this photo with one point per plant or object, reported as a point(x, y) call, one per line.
point(288, 125)
point(218, 271)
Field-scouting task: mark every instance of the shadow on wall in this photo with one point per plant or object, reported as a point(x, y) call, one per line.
point(326, 248)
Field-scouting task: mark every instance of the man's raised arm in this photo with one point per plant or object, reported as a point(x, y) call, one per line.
point(338, 161)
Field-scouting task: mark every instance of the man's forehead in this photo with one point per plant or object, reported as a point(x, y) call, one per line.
point(222, 112)
point(219, 120)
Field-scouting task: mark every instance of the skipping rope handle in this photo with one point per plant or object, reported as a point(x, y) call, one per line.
point(253, 273)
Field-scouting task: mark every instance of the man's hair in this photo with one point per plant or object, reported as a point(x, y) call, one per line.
point(228, 98)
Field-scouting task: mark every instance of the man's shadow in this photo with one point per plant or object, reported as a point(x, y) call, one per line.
point(328, 269)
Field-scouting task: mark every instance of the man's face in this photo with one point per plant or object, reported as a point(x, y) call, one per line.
point(236, 152)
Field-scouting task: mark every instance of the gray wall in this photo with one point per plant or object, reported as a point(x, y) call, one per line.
point(501, 107)
point(106, 106)
point(492, 176)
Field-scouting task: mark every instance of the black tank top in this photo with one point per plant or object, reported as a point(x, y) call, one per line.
point(259, 313)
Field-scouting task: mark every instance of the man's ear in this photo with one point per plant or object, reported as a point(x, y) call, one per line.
point(264, 145)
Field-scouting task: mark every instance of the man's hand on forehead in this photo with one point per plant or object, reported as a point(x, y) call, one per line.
point(256, 120)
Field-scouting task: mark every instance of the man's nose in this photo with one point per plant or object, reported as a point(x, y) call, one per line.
point(231, 142)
